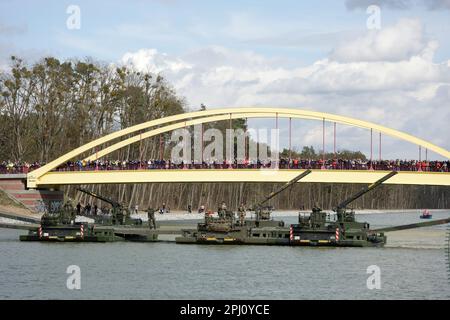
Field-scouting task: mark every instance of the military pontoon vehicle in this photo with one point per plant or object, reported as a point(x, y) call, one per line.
point(226, 229)
point(60, 226)
point(317, 229)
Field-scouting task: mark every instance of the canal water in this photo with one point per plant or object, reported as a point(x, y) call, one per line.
point(412, 265)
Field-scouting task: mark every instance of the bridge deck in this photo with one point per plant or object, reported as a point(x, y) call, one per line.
point(20, 226)
point(35, 218)
point(147, 231)
point(238, 175)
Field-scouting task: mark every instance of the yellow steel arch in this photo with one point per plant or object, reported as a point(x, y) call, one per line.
point(35, 174)
point(207, 116)
point(168, 128)
point(281, 113)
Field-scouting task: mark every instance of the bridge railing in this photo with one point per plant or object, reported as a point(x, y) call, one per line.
point(17, 169)
point(426, 166)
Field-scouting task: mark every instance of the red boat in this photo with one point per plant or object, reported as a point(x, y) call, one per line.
point(426, 214)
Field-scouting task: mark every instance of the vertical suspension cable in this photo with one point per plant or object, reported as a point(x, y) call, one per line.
point(245, 142)
point(334, 142)
point(96, 159)
point(276, 130)
point(140, 150)
point(323, 144)
point(379, 148)
point(420, 159)
point(201, 141)
point(290, 141)
point(160, 148)
point(231, 145)
point(371, 149)
point(184, 156)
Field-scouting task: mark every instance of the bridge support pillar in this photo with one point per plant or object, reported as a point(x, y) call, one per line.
point(14, 185)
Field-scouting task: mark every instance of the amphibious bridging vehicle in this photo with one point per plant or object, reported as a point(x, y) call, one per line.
point(60, 225)
point(317, 229)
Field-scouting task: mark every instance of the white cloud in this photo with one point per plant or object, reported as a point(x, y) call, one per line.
point(150, 60)
point(400, 87)
point(394, 43)
point(355, 77)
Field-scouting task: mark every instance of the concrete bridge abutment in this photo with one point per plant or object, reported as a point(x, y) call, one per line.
point(36, 200)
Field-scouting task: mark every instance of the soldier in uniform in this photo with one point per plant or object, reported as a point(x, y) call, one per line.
point(207, 216)
point(151, 218)
point(316, 207)
point(67, 212)
point(241, 211)
point(120, 214)
point(222, 210)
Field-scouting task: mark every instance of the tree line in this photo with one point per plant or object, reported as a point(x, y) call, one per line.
point(52, 106)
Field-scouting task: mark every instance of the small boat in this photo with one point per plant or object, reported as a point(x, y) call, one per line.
point(426, 214)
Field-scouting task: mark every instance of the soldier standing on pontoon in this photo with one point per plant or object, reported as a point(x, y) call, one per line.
point(151, 218)
point(242, 211)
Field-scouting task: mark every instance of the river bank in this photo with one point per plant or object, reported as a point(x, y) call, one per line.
point(180, 215)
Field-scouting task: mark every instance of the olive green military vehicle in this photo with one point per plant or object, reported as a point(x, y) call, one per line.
point(226, 229)
point(120, 221)
point(120, 214)
point(60, 226)
point(315, 229)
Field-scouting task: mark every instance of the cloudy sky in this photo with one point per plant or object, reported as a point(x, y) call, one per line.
point(326, 56)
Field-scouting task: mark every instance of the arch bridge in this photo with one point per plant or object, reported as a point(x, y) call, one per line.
point(45, 176)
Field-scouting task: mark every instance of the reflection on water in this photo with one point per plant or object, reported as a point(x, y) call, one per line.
point(413, 265)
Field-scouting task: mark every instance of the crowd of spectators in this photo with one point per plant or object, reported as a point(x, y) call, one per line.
point(332, 164)
point(10, 167)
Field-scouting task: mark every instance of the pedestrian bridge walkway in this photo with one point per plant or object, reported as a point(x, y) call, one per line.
point(238, 175)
